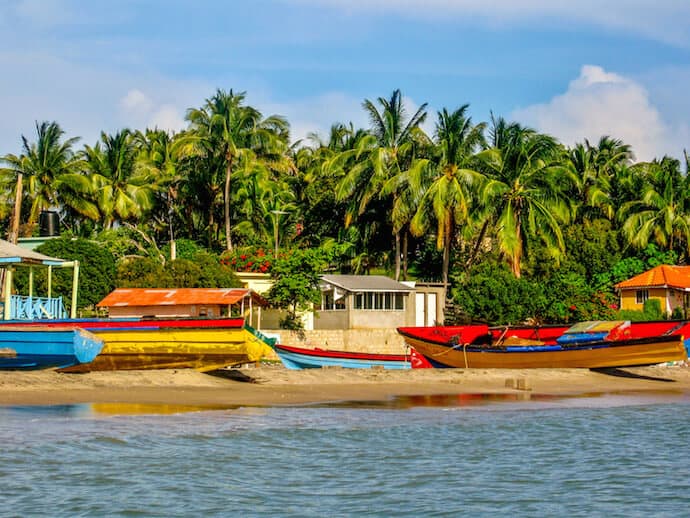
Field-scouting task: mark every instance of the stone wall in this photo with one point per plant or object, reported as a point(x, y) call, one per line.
point(384, 341)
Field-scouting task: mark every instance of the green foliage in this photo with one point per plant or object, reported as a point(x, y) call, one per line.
point(296, 278)
point(492, 294)
point(141, 272)
point(96, 270)
point(184, 249)
point(648, 258)
point(121, 242)
point(203, 271)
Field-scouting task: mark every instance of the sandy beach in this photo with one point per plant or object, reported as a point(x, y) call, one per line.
point(274, 385)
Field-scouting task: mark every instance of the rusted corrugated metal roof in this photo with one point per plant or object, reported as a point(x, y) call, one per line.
point(130, 297)
point(661, 277)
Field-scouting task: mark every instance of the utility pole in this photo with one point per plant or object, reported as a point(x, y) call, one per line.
point(14, 229)
point(276, 223)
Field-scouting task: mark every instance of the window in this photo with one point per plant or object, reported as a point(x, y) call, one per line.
point(382, 301)
point(329, 303)
point(641, 296)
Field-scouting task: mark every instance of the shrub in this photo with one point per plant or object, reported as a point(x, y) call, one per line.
point(96, 271)
point(249, 259)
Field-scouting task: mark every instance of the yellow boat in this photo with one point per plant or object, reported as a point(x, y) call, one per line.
point(199, 344)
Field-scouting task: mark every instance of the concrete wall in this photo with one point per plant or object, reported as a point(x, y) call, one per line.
point(374, 319)
point(384, 341)
point(331, 319)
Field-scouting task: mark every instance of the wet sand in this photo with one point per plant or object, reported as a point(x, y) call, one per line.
point(274, 385)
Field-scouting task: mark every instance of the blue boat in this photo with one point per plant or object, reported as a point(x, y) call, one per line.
point(25, 348)
point(297, 358)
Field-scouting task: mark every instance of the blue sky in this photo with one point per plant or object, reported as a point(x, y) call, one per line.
point(575, 69)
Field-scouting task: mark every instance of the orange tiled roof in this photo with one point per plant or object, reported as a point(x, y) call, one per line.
point(177, 296)
point(660, 276)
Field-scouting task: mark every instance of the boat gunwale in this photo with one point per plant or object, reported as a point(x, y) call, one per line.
point(353, 355)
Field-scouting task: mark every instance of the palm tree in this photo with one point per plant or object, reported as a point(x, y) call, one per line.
point(118, 189)
point(389, 154)
point(224, 125)
point(448, 200)
point(662, 212)
point(158, 159)
point(44, 162)
point(526, 187)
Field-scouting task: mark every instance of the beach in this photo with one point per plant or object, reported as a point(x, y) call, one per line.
point(270, 385)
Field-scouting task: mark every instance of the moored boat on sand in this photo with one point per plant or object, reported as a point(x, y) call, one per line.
point(41, 347)
point(197, 343)
point(586, 345)
point(301, 358)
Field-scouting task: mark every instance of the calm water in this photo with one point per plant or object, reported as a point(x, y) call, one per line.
point(467, 455)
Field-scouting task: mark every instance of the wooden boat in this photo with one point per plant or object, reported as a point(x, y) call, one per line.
point(301, 358)
point(201, 344)
point(586, 346)
point(41, 347)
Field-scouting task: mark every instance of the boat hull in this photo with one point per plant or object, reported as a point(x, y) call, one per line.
point(42, 348)
point(297, 358)
point(626, 353)
point(173, 343)
point(203, 349)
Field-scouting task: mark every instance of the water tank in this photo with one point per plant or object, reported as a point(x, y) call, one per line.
point(48, 223)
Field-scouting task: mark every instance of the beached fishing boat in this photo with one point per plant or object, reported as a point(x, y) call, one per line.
point(40, 347)
point(586, 345)
point(301, 358)
point(196, 343)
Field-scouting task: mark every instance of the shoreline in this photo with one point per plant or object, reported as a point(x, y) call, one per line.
point(275, 385)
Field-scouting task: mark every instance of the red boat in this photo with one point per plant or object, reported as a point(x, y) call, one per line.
point(585, 345)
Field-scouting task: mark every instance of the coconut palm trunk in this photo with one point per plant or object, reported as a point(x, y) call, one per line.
point(226, 203)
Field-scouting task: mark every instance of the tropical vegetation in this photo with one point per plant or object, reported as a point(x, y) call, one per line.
point(514, 224)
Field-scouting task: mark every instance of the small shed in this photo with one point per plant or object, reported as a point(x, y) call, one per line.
point(364, 302)
point(670, 285)
point(184, 302)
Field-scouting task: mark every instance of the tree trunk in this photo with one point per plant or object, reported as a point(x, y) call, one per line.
point(226, 205)
point(447, 241)
point(517, 256)
point(14, 229)
point(397, 256)
point(404, 254)
point(477, 245)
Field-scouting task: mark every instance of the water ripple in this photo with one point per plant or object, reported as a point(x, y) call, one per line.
point(338, 461)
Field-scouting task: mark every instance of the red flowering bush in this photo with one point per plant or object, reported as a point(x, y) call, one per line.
point(248, 260)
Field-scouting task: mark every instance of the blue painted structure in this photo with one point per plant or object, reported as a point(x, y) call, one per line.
point(46, 347)
point(36, 308)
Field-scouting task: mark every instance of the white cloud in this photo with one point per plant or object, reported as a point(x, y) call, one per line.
point(167, 117)
point(87, 99)
point(144, 112)
point(664, 20)
point(601, 103)
point(136, 101)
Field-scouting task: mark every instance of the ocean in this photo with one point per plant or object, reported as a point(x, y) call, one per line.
point(447, 455)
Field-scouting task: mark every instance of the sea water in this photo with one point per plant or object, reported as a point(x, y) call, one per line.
point(448, 455)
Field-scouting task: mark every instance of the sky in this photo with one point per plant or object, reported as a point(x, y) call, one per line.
point(576, 69)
